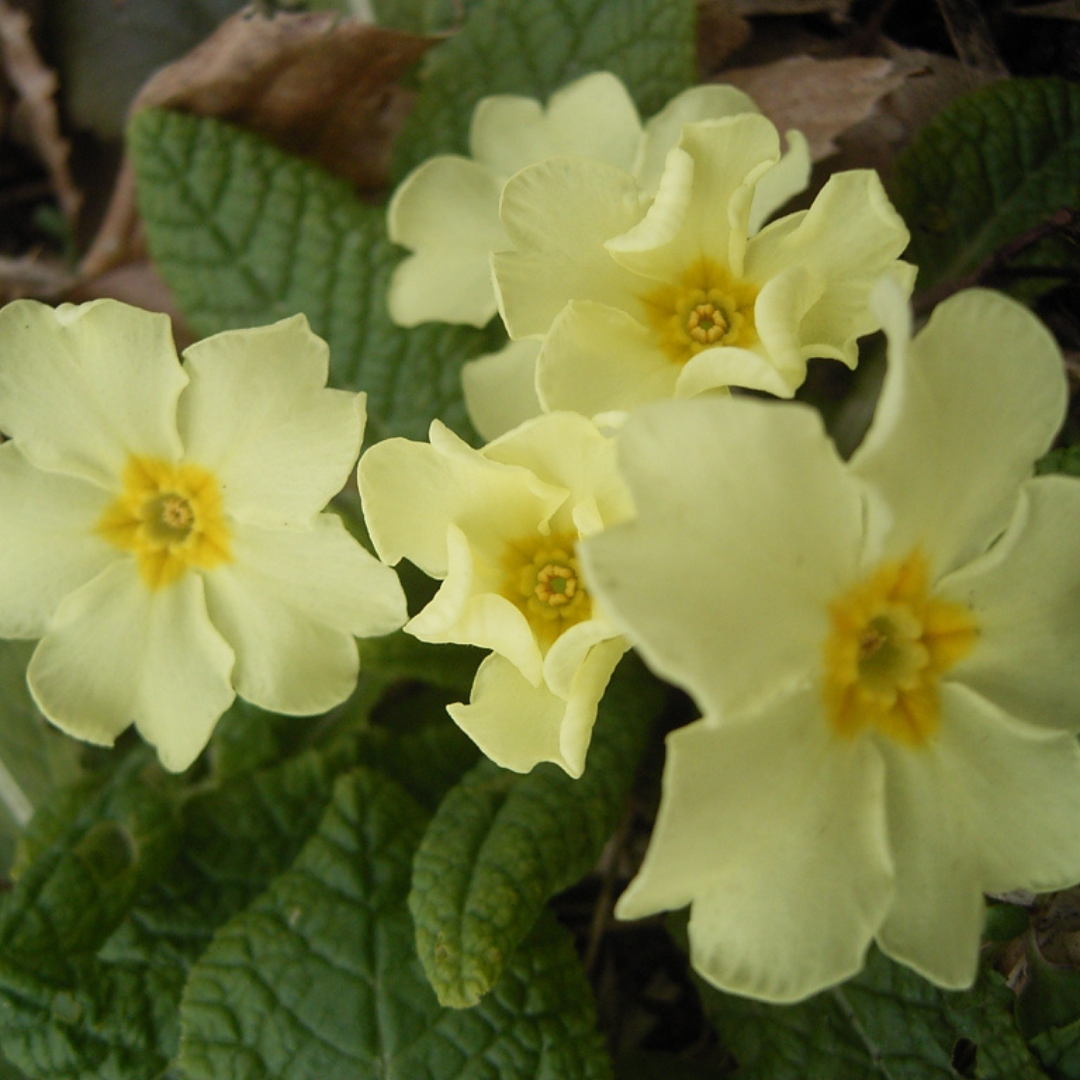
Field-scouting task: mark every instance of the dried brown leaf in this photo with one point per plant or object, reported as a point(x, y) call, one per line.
point(35, 108)
point(1057, 9)
point(41, 277)
point(318, 85)
point(720, 33)
point(821, 98)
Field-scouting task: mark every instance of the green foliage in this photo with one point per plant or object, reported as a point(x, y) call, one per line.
point(1059, 1051)
point(886, 1024)
point(34, 758)
point(63, 1011)
point(990, 167)
point(502, 844)
point(1065, 460)
point(508, 47)
point(245, 235)
point(318, 977)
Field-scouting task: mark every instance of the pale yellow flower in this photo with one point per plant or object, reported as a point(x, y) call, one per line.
point(500, 527)
point(161, 528)
point(635, 297)
point(447, 210)
point(886, 653)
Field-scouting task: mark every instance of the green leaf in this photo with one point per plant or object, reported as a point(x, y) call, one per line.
point(990, 167)
point(318, 977)
point(509, 47)
point(245, 235)
point(1059, 1050)
point(64, 1013)
point(502, 844)
point(1065, 460)
point(34, 758)
point(401, 656)
point(886, 1024)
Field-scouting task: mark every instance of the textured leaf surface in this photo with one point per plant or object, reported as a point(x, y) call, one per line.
point(994, 164)
point(506, 47)
point(1059, 1050)
point(245, 235)
point(886, 1024)
point(318, 978)
point(501, 844)
point(63, 1012)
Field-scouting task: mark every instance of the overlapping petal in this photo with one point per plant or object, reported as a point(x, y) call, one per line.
point(777, 837)
point(48, 542)
point(117, 652)
point(290, 603)
point(500, 388)
point(971, 402)
point(83, 387)
point(991, 804)
point(730, 619)
point(447, 212)
point(257, 413)
point(1023, 595)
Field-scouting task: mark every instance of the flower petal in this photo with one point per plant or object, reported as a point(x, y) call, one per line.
point(558, 215)
point(118, 652)
point(747, 527)
point(258, 415)
point(662, 132)
point(599, 359)
point(1023, 595)
point(786, 179)
point(990, 805)
point(717, 369)
point(966, 409)
point(48, 542)
point(468, 610)
point(500, 388)
point(412, 492)
point(569, 451)
point(593, 117)
point(447, 212)
point(517, 725)
point(290, 602)
point(775, 832)
point(84, 387)
point(728, 158)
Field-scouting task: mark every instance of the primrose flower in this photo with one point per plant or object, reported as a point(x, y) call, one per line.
point(161, 531)
point(447, 210)
point(636, 297)
point(886, 654)
point(500, 526)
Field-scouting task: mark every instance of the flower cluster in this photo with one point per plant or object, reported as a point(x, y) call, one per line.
point(882, 650)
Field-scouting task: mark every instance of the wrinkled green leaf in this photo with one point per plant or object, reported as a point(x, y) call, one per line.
point(245, 235)
point(501, 844)
point(886, 1024)
point(1059, 1051)
point(507, 47)
point(401, 656)
point(991, 166)
point(318, 977)
point(64, 1013)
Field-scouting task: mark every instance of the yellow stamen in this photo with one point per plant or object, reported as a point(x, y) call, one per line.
point(888, 646)
point(170, 517)
point(544, 581)
point(706, 309)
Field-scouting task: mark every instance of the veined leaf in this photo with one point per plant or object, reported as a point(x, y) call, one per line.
point(508, 47)
point(501, 844)
point(319, 978)
point(245, 235)
point(991, 166)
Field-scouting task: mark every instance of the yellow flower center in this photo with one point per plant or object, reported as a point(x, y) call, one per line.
point(170, 517)
point(706, 309)
point(544, 581)
point(889, 643)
